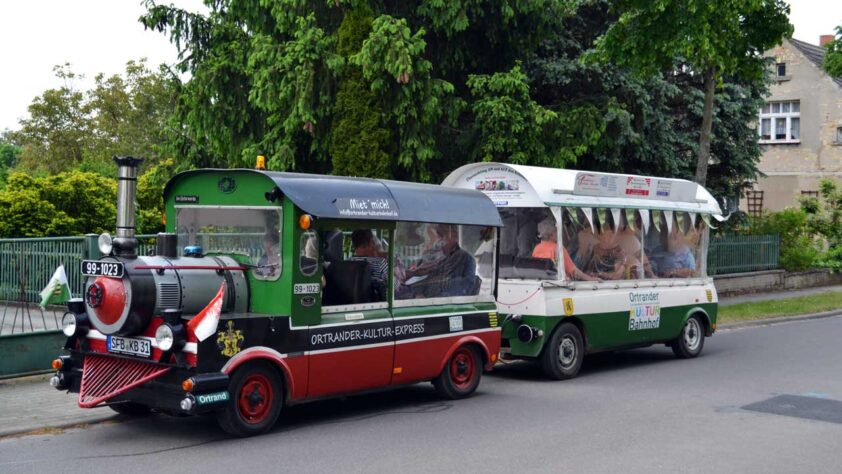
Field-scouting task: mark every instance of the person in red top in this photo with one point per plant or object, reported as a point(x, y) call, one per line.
point(548, 249)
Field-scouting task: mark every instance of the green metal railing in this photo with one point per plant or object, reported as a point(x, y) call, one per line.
point(743, 253)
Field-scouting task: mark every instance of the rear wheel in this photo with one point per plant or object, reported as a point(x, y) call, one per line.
point(564, 352)
point(130, 408)
point(460, 376)
point(256, 400)
point(691, 340)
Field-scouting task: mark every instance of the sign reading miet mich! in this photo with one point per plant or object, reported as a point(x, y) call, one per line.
point(367, 207)
point(612, 185)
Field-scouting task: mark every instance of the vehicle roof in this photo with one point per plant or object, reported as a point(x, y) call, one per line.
point(341, 197)
point(576, 188)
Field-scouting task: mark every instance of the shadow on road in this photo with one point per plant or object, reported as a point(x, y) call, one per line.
point(594, 364)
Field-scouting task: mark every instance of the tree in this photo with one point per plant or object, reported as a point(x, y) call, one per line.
point(650, 123)
point(716, 39)
point(53, 206)
point(312, 84)
point(9, 154)
point(833, 57)
point(121, 114)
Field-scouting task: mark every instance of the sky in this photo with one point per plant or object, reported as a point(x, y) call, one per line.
point(102, 35)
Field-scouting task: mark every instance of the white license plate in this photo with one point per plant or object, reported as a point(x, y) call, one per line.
point(129, 345)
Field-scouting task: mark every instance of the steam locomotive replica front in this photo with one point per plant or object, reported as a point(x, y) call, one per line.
point(130, 346)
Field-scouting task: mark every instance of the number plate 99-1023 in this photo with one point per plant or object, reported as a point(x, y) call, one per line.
point(102, 268)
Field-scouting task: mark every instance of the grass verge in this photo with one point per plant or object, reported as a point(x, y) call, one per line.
point(778, 308)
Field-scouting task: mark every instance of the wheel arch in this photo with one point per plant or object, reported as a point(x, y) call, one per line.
point(468, 340)
point(260, 353)
point(704, 316)
point(580, 325)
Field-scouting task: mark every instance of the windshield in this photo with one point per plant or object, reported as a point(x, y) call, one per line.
point(528, 243)
point(251, 233)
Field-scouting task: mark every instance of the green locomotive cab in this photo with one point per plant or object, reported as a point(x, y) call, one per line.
point(271, 288)
point(590, 262)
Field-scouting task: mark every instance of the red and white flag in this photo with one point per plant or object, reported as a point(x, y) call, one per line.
point(203, 325)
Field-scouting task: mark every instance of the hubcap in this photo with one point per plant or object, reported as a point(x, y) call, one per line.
point(462, 368)
point(567, 352)
point(255, 400)
point(692, 334)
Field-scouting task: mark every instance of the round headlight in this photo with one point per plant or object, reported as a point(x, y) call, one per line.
point(68, 324)
point(164, 337)
point(105, 244)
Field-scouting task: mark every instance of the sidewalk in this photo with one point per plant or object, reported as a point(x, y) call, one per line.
point(30, 403)
point(779, 295)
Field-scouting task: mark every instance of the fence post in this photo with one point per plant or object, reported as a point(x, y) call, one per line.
point(91, 249)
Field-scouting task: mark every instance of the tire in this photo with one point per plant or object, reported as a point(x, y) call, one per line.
point(690, 342)
point(255, 403)
point(130, 409)
point(460, 376)
point(563, 353)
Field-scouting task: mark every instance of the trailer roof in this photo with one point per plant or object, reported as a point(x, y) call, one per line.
point(341, 197)
point(531, 186)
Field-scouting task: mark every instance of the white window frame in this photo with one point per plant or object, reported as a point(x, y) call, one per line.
point(774, 116)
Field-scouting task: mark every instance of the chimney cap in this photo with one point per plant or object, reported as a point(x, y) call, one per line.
point(127, 161)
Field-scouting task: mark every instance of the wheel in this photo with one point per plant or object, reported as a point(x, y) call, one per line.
point(691, 340)
point(563, 354)
point(130, 408)
point(255, 403)
point(460, 376)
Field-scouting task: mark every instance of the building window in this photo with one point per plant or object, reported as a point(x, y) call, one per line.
point(812, 194)
point(839, 135)
point(781, 69)
point(780, 122)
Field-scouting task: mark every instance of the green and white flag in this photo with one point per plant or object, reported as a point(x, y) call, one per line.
point(57, 290)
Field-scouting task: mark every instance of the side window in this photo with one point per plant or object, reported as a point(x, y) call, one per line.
point(674, 245)
point(443, 260)
point(356, 266)
point(609, 261)
point(579, 240)
point(308, 260)
point(526, 248)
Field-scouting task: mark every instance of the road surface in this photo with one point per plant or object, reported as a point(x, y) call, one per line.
point(633, 411)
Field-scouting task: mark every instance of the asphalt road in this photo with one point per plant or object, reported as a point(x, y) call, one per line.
point(634, 411)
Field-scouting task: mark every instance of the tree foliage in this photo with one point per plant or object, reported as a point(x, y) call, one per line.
point(277, 78)
point(833, 57)
point(715, 39)
point(122, 114)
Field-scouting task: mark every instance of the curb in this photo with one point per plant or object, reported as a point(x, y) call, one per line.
point(778, 320)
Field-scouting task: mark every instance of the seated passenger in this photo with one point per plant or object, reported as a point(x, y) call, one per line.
point(628, 240)
point(609, 259)
point(365, 249)
point(678, 261)
point(548, 249)
point(269, 263)
point(454, 274)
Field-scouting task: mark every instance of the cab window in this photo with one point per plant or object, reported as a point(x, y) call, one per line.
point(356, 266)
point(253, 234)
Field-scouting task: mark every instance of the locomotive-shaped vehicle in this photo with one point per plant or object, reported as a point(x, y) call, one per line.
point(277, 288)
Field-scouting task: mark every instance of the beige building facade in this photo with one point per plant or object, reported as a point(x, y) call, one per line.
point(800, 129)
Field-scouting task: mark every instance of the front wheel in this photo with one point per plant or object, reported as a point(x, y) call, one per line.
point(460, 376)
point(563, 353)
point(255, 403)
point(691, 340)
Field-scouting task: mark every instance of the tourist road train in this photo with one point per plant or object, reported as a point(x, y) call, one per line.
point(270, 289)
